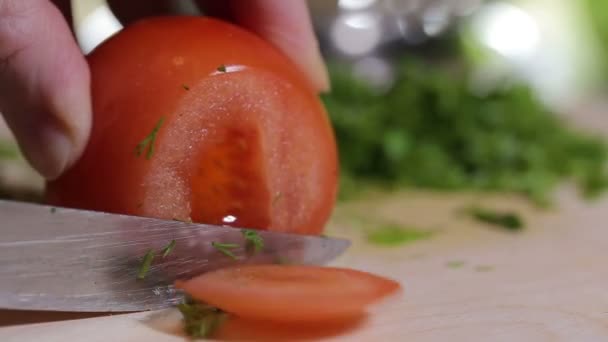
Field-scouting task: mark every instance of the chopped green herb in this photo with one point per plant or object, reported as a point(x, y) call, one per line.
point(168, 248)
point(221, 68)
point(185, 86)
point(225, 248)
point(503, 141)
point(324, 236)
point(484, 268)
point(254, 240)
point(53, 210)
point(200, 320)
point(148, 141)
point(145, 265)
point(394, 235)
point(455, 264)
point(507, 220)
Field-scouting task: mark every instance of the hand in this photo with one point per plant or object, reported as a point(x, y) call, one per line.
point(44, 77)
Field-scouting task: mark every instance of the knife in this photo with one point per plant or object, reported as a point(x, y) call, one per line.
point(62, 259)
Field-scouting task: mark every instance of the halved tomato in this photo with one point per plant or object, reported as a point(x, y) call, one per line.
point(195, 118)
point(290, 293)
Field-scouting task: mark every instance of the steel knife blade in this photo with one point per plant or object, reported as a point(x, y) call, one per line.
point(62, 259)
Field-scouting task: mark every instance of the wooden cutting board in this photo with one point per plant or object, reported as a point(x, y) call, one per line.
point(467, 282)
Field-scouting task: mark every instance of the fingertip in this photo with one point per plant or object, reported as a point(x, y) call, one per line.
point(70, 102)
point(44, 86)
point(52, 159)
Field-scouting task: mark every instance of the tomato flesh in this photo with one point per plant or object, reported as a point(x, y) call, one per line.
point(242, 329)
point(293, 293)
point(230, 173)
point(250, 146)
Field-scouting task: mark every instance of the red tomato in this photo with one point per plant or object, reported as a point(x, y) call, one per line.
point(242, 329)
point(290, 293)
point(244, 140)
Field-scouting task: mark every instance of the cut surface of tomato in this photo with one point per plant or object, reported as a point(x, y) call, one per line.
point(293, 293)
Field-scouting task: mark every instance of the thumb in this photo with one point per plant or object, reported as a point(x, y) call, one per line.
point(44, 85)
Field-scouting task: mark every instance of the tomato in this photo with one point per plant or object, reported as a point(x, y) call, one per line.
point(239, 137)
point(241, 329)
point(290, 293)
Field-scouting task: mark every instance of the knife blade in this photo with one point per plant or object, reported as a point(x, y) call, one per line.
point(61, 259)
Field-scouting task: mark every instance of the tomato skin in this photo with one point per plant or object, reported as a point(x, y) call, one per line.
point(284, 179)
point(290, 293)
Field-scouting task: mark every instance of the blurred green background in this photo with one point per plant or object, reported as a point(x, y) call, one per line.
point(467, 95)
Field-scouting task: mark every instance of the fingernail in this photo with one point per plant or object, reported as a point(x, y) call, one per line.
point(48, 150)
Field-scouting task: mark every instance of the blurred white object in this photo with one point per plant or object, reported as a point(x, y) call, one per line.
point(547, 43)
point(355, 4)
point(356, 33)
point(94, 23)
point(508, 30)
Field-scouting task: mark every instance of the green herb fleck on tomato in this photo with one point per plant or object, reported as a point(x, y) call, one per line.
point(148, 141)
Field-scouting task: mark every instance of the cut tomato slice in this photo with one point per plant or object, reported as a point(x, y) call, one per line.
point(290, 293)
point(243, 329)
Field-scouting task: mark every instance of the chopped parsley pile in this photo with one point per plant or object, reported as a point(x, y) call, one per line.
point(429, 131)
